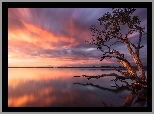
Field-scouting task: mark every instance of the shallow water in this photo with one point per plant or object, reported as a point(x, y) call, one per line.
point(55, 87)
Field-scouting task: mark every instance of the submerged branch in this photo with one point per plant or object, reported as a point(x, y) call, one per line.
point(139, 93)
point(137, 84)
point(103, 88)
point(104, 75)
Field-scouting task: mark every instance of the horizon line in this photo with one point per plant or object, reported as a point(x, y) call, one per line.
point(69, 66)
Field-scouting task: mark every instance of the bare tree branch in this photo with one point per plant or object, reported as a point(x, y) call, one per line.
point(113, 23)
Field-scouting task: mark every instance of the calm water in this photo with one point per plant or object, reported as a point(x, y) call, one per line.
point(54, 87)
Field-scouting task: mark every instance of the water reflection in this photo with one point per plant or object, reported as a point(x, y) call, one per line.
point(54, 88)
point(128, 99)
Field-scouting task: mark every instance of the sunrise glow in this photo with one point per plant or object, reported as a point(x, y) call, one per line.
point(56, 37)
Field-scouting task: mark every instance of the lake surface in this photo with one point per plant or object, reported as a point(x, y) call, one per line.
point(57, 87)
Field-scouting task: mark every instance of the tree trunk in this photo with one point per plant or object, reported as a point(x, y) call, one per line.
point(127, 65)
point(137, 62)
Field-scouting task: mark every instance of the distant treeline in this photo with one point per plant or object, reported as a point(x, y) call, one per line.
point(145, 67)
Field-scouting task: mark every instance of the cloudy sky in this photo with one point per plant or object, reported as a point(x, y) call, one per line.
point(56, 37)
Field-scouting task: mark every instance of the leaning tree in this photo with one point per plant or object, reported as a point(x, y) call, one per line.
point(113, 26)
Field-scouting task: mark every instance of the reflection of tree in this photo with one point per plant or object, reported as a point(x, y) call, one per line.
point(128, 100)
point(137, 92)
point(107, 89)
point(137, 88)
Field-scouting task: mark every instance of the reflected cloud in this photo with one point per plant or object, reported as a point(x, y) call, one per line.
point(51, 87)
point(17, 76)
point(20, 101)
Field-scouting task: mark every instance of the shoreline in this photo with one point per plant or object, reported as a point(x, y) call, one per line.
point(105, 68)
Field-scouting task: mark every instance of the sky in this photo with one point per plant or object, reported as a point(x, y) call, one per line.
point(56, 37)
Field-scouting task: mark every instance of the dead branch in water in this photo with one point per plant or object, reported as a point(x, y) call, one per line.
point(137, 80)
point(118, 89)
point(104, 75)
point(136, 87)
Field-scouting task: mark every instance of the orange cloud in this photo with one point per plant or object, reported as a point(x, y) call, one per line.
point(25, 34)
point(24, 38)
point(72, 29)
point(41, 35)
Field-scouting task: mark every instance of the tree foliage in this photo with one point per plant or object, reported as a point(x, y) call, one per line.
point(113, 24)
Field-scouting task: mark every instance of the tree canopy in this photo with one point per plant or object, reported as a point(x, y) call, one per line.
point(112, 26)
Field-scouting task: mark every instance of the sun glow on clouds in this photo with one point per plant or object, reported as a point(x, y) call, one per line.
point(30, 38)
point(40, 37)
point(19, 40)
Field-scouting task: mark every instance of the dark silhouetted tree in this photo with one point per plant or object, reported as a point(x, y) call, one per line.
point(113, 25)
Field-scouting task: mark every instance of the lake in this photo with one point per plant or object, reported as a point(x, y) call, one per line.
point(57, 87)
